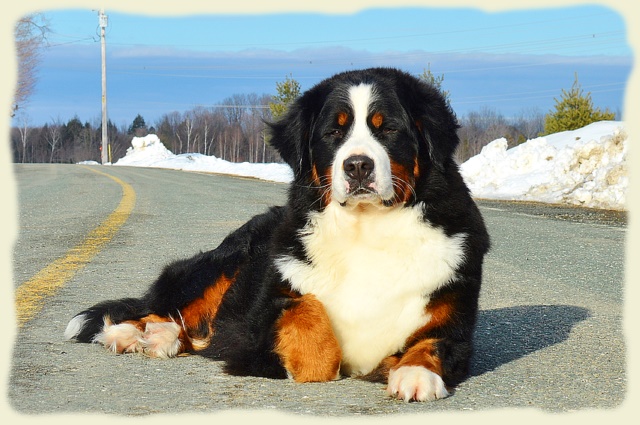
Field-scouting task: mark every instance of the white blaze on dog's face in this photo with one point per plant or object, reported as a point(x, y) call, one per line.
point(361, 169)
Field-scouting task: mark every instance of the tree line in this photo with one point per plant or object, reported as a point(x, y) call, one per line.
point(234, 130)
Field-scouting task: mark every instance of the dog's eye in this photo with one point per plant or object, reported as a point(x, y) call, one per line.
point(389, 130)
point(336, 134)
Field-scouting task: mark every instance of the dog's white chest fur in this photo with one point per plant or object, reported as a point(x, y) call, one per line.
point(373, 270)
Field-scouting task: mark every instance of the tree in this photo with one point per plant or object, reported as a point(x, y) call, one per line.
point(479, 128)
point(233, 130)
point(529, 124)
point(53, 136)
point(138, 127)
point(288, 90)
point(428, 76)
point(189, 123)
point(30, 34)
point(72, 129)
point(24, 131)
point(574, 110)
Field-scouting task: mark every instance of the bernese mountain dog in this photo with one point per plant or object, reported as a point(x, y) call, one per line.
point(372, 269)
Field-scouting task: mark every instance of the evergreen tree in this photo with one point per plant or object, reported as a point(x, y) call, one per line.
point(138, 127)
point(288, 90)
point(435, 81)
point(574, 110)
point(72, 129)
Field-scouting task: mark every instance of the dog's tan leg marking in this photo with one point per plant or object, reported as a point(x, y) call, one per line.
point(306, 343)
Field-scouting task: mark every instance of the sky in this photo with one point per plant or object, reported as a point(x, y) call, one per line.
point(513, 62)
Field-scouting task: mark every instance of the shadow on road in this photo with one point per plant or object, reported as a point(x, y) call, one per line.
point(507, 334)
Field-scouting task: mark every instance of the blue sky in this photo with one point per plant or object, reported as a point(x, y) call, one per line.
point(508, 61)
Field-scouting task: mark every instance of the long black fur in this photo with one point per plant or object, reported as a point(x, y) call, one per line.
point(244, 324)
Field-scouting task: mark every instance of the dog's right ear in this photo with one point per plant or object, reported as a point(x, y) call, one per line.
point(291, 133)
point(287, 136)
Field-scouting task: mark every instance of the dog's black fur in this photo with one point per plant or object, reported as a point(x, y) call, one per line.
point(421, 136)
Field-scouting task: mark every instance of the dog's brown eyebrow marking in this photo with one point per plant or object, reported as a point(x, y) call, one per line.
point(342, 118)
point(377, 119)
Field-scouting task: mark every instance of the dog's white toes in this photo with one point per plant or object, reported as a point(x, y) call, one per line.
point(161, 339)
point(416, 383)
point(120, 338)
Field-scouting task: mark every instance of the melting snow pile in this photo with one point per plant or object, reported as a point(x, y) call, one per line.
point(144, 151)
point(149, 151)
point(584, 167)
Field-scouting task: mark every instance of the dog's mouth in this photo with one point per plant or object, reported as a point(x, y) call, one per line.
point(364, 192)
point(361, 188)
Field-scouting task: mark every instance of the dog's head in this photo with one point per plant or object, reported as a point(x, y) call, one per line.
point(366, 136)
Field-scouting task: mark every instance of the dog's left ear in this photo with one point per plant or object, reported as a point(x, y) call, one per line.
point(435, 121)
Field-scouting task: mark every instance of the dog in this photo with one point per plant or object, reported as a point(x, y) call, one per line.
point(372, 269)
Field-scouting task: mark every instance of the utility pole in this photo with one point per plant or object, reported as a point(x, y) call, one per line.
point(105, 144)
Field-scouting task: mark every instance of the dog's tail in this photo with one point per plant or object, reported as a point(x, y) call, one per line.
point(88, 324)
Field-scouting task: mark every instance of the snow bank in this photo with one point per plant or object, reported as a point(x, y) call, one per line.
point(584, 167)
point(149, 151)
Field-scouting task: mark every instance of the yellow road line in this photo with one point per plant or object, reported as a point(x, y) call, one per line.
point(30, 296)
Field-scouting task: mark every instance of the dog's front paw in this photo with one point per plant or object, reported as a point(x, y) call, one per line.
point(416, 383)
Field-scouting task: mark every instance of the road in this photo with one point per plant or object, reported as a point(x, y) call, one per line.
point(549, 335)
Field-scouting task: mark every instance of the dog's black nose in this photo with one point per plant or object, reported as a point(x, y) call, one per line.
point(358, 167)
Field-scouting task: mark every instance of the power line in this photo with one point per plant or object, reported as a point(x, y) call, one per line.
point(71, 42)
point(384, 38)
point(539, 94)
point(366, 39)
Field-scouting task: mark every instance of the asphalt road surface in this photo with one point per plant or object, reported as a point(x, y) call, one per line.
point(549, 335)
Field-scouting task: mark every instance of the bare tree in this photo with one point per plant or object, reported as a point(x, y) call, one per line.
point(24, 131)
point(479, 128)
point(530, 123)
point(211, 125)
point(234, 108)
point(30, 35)
point(174, 120)
point(189, 130)
point(260, 114)
point(53, 136)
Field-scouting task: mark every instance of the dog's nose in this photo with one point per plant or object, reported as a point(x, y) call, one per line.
point(358, 167)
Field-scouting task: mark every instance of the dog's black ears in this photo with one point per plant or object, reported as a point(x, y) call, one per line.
point(441, 141)
point(290, 135)
point(286, 135)
point(435, 121)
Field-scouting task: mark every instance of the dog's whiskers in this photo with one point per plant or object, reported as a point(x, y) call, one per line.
point(402, 185)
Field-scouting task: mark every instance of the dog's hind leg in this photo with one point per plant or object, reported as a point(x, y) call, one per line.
point(179, 311)
point(153, 335)
point(132, 326)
